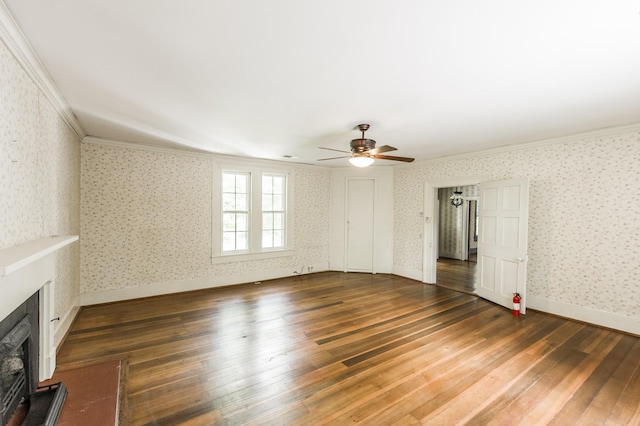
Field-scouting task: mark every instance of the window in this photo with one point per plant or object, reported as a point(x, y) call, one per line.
point(235, 211)
point(273, 210)
point(251, 214)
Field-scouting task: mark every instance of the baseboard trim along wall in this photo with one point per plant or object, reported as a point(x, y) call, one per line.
point(65, 325)
point(580, 313)
point(414, 274)
point(158, 289)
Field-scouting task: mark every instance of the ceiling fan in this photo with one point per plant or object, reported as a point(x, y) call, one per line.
point(364, 151)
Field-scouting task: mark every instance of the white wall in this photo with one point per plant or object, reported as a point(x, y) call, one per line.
point(383, 216)
point(584, 221)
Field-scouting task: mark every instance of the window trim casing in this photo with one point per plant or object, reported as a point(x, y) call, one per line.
point(255, 251)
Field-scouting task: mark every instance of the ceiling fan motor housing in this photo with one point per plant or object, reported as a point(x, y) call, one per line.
point(359, 146)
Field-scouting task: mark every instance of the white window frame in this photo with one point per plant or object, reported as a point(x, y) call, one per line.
point(255, 250)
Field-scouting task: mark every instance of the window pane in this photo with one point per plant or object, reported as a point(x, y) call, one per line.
point(242, 222)
point(241, 183)
point(267, 184)
point(267, 220)
point(228, 182)
point(278, 185)
point(229, 222)
point(278, 238)
point(228, 241)
point(267, 239)
point(242, 240)
point(228, 202)
point(241, 202)
point(278, 202)
point(278, 221)
point(267, 202)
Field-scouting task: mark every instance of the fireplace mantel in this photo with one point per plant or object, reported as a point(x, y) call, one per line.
point(17, 257)
point(25, 268)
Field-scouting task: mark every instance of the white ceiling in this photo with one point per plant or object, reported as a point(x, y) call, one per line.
point(273, 78)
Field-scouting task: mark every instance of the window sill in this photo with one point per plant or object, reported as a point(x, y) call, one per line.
point(231, 258)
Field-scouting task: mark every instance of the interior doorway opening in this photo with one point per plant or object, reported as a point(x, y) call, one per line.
point(457, 237)
point(502, 239)
point(432, 213)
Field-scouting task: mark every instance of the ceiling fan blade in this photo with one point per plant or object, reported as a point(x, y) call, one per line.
point(332, 158)
point(383, 148)
point(331, 149)
point(391, 157)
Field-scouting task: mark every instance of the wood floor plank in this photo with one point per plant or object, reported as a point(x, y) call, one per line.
point(549, 409)
point(336, 348)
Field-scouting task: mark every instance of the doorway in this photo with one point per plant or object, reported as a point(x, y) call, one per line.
point(502, 238)
point(457, 218)
point(431, 220)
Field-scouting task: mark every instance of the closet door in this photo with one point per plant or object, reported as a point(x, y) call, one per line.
point(360, 225)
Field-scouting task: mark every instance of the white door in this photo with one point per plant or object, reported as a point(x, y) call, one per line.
point(502, 241)
point(360, 230)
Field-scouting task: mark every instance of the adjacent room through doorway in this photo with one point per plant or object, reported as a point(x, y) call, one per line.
point(457, 238)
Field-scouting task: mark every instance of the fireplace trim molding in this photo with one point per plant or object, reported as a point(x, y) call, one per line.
point(24, 270)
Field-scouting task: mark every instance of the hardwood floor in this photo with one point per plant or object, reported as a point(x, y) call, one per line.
point(336, 348)
point(459, 275)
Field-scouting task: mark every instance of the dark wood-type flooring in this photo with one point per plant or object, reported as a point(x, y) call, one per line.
point(459, 275)
point(336, 348)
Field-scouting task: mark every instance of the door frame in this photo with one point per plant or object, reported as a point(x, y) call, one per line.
point(430, 231)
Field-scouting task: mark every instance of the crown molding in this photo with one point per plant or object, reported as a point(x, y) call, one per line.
point(600, 133)
point(15, 40)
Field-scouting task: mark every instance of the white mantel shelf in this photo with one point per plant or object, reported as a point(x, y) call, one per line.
point(17, 257)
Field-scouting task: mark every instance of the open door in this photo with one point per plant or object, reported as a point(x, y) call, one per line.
point(502, 241)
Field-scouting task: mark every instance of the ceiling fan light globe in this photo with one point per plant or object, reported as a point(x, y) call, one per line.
point(361, 161)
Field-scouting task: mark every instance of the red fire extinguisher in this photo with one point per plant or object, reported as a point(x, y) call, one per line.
point(516, 304)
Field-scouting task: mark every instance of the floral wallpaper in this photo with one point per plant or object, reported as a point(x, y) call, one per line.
point(39, 175)
point(584, 219)
point(146, 219)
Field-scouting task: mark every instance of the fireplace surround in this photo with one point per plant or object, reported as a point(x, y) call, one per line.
point(27, 347)
point(18, 356)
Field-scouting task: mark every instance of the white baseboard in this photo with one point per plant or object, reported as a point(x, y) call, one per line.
point(158, 289)
point(414, 274)
point(449, 255)
point(65, 324)
point(593, 316)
